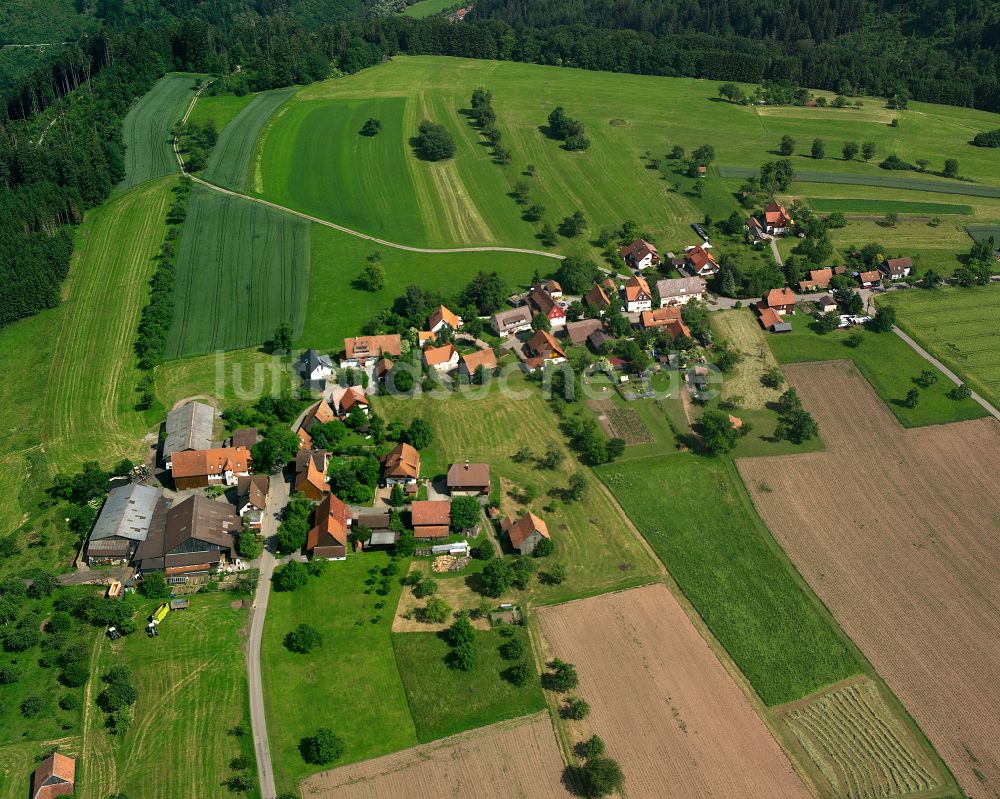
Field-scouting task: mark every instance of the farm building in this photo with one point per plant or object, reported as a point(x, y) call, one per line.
point(442, 359)
point(378, 525)
point(189, 427)
point(897, 268)
point(681, 290)
point(328, 539)
point(310, 473)
point(468, 479)
point(206, 467)
point(251, 499)
point(525, 533)
point(401, 465)
point(668, 318)
point(640, 254)
point(358, 352)
point(580, 331)
point(441, 318)
point(598, 341)
point(506, 323)
point(197, 537)
point(770, 320)
point(431, 518)
point(826, 304)
point(316, 369)
point(541, 302)
point(485, 359)
point(638, 295)
point(55, 776)
point(124, 522)
point(244, 437)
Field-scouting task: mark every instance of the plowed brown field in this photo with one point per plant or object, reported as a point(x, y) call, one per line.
point(667, 709)
point(511, 760)
point(897, 531)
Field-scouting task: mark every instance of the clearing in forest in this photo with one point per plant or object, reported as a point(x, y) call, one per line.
point(895, 530)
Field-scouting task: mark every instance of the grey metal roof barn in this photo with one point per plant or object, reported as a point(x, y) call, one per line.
point(189, 427)
point(127, 513)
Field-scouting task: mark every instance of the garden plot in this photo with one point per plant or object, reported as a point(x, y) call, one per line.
point(623, 423)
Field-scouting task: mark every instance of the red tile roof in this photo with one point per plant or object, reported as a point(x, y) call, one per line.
point(401, 461)
point(524, 527)
point(430, 511)
point(434, 356)
point(364, 347)
point(442, 314)
point(332, 517)
point(211, 462)
point(636, 288)
point(479, 358)
point(55, 776)
point(782, 296)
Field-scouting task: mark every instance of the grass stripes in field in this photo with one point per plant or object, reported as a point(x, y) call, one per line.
point(231, 162)
point(981, 232)
point(242, 269)
point(146, 130)
point(870, 206)
point(875, 179)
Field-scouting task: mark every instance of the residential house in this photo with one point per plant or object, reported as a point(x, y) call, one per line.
point(251, 499)
point(319, 413)
point(777, 221)
point(578, 332)
point(681, 290)
point(818, 280)
point(469, 479)
point(755, 228)
point(382, 369)
point(638, 295)
point(380, 533)
point(401, 466)
point(700, 262)
point(244, 437)
point(189, 427)
point(343, 400)
point(310, 473)
point(316, 369)
point(506, 323)
point(541, 350)
point(597, 298)
point(55, 776)
point(328, 539)
point(425, 337)
point(541, 302)
point(781, 301)
point(640, 254)
point(770, 320)
point(870, 279)
point(360, 351)
point(526, 532)
point(486, 359)
point(826, 304)
point(124, 523)
point(442, 318)
point(549, 286)
point(196, 539)
point(442, 359)
point(668, 318)
point(431, 518)
point(896, 268)
point(207, 467)
point(305, 440)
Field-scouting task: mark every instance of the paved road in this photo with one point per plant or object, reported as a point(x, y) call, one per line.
point(276, 502)
point(951, 375)
point(777, 255)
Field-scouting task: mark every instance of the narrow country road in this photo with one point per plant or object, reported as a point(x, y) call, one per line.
point(777, 254)
point(950, 374)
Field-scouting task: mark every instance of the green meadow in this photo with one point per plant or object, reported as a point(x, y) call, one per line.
point(427, 8)
point(220, 108)
point(864, 206)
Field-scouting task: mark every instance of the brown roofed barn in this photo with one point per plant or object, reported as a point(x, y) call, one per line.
point(431, 518)
point(469, 479)
point(526, 532)
point(55, 776)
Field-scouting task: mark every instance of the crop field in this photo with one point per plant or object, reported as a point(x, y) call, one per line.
point(665, 706)
point(512, 759)
point(593, 539)
point(903, 553)
point(740, 328)
point(351, 683)
point(959, 327)
point(191, 681)
point(624, 423)
point(242, 269)
point(887, 362)
point(828, 205)
point(232, 159)
point(445, 701)
point(146, 131)
point(981, 232)
point(702, 525)
point(859, 747)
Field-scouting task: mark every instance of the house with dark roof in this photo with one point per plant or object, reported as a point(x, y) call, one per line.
point(431, 518)
point(207, 467)
point(599, 341)
point(507, 323)
point(316, 369)
point(896, 268)
point(189, 427)
point(680, 290)
point(251, 499)
point(198, 536)
point(826, 304)
point(469, 479)
point(378, 525)
point(526, 532)
point(244, 437)
point(541, 302)
point(328, 538)
point(541, 350)
point(597, 298)
point(640, 254)
point(401, 465)
point(552, 287)
point(124, 522)
point(579, 331)
point(310, 473)
point(55, 776)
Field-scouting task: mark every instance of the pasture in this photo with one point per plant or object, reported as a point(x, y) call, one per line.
point(350, 684)
point(702, 525)
point(887, 362)
point(513, 758)
point(232, 159)
point(445, 701)
point(903, 553)
point(826, 205)
point(191, 681)
point(740, 328)
point(957, 325)
point(242, 269)
point(665, 706)
point(146, 131)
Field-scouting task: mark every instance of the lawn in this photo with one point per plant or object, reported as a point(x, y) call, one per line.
point(236, 376)
point(887, 362)
point(146, 131)
point(959, 326)
point(191, 681)
point(350, 684)
point(445, 701)
point(242, 269)
point(702, 524)
point(219, 108)
point(427, 8)
point(826, 205)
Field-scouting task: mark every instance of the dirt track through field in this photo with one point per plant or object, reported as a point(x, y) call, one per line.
point(663, 703)
point(512, 760)
point(896, 530)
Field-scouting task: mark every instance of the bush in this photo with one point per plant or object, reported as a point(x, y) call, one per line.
point(497, 577)
point(519, 674)
point(576, 709)
point(460, 632)
point(117, 696)
point(561, 676)
point(894, 162)
point(75, 674)
point(600, 776)
point(434, 143)
point(989, 138)
point(239, 763)
point(32, 706)
point(322, 748)
point(960, 392)
point(154, 586)
point(543, 548)
point(70, 702)
point(250, 545)
point(425, 588)
point(303, 639)
point(9, 674)
point(593, 747)
point(437, 610)
point(512, 649)
point(464, 657)
point(119, 722)
point(290, 577)
point(555, 574)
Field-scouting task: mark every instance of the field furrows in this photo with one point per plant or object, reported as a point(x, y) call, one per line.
point(624, 423)
point(894, 529)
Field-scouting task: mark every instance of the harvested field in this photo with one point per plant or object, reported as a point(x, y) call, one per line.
point(511, 759)
point(664, 704)
point(903, 552)
point(623, 423)
point(740, 328)
point(859, 746)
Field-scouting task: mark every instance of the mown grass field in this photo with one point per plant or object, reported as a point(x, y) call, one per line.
point(703, 526)
point(146, 130)
point(866, 206)
point(242, 269)
point(192, 689)
point(959, 326)
point(232, 159)
point(350, 684)
point(220, 108)
point(427, 8)
point(887, 362)
point(446, 701)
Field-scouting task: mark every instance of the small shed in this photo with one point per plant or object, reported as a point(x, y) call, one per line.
point(180, 604)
